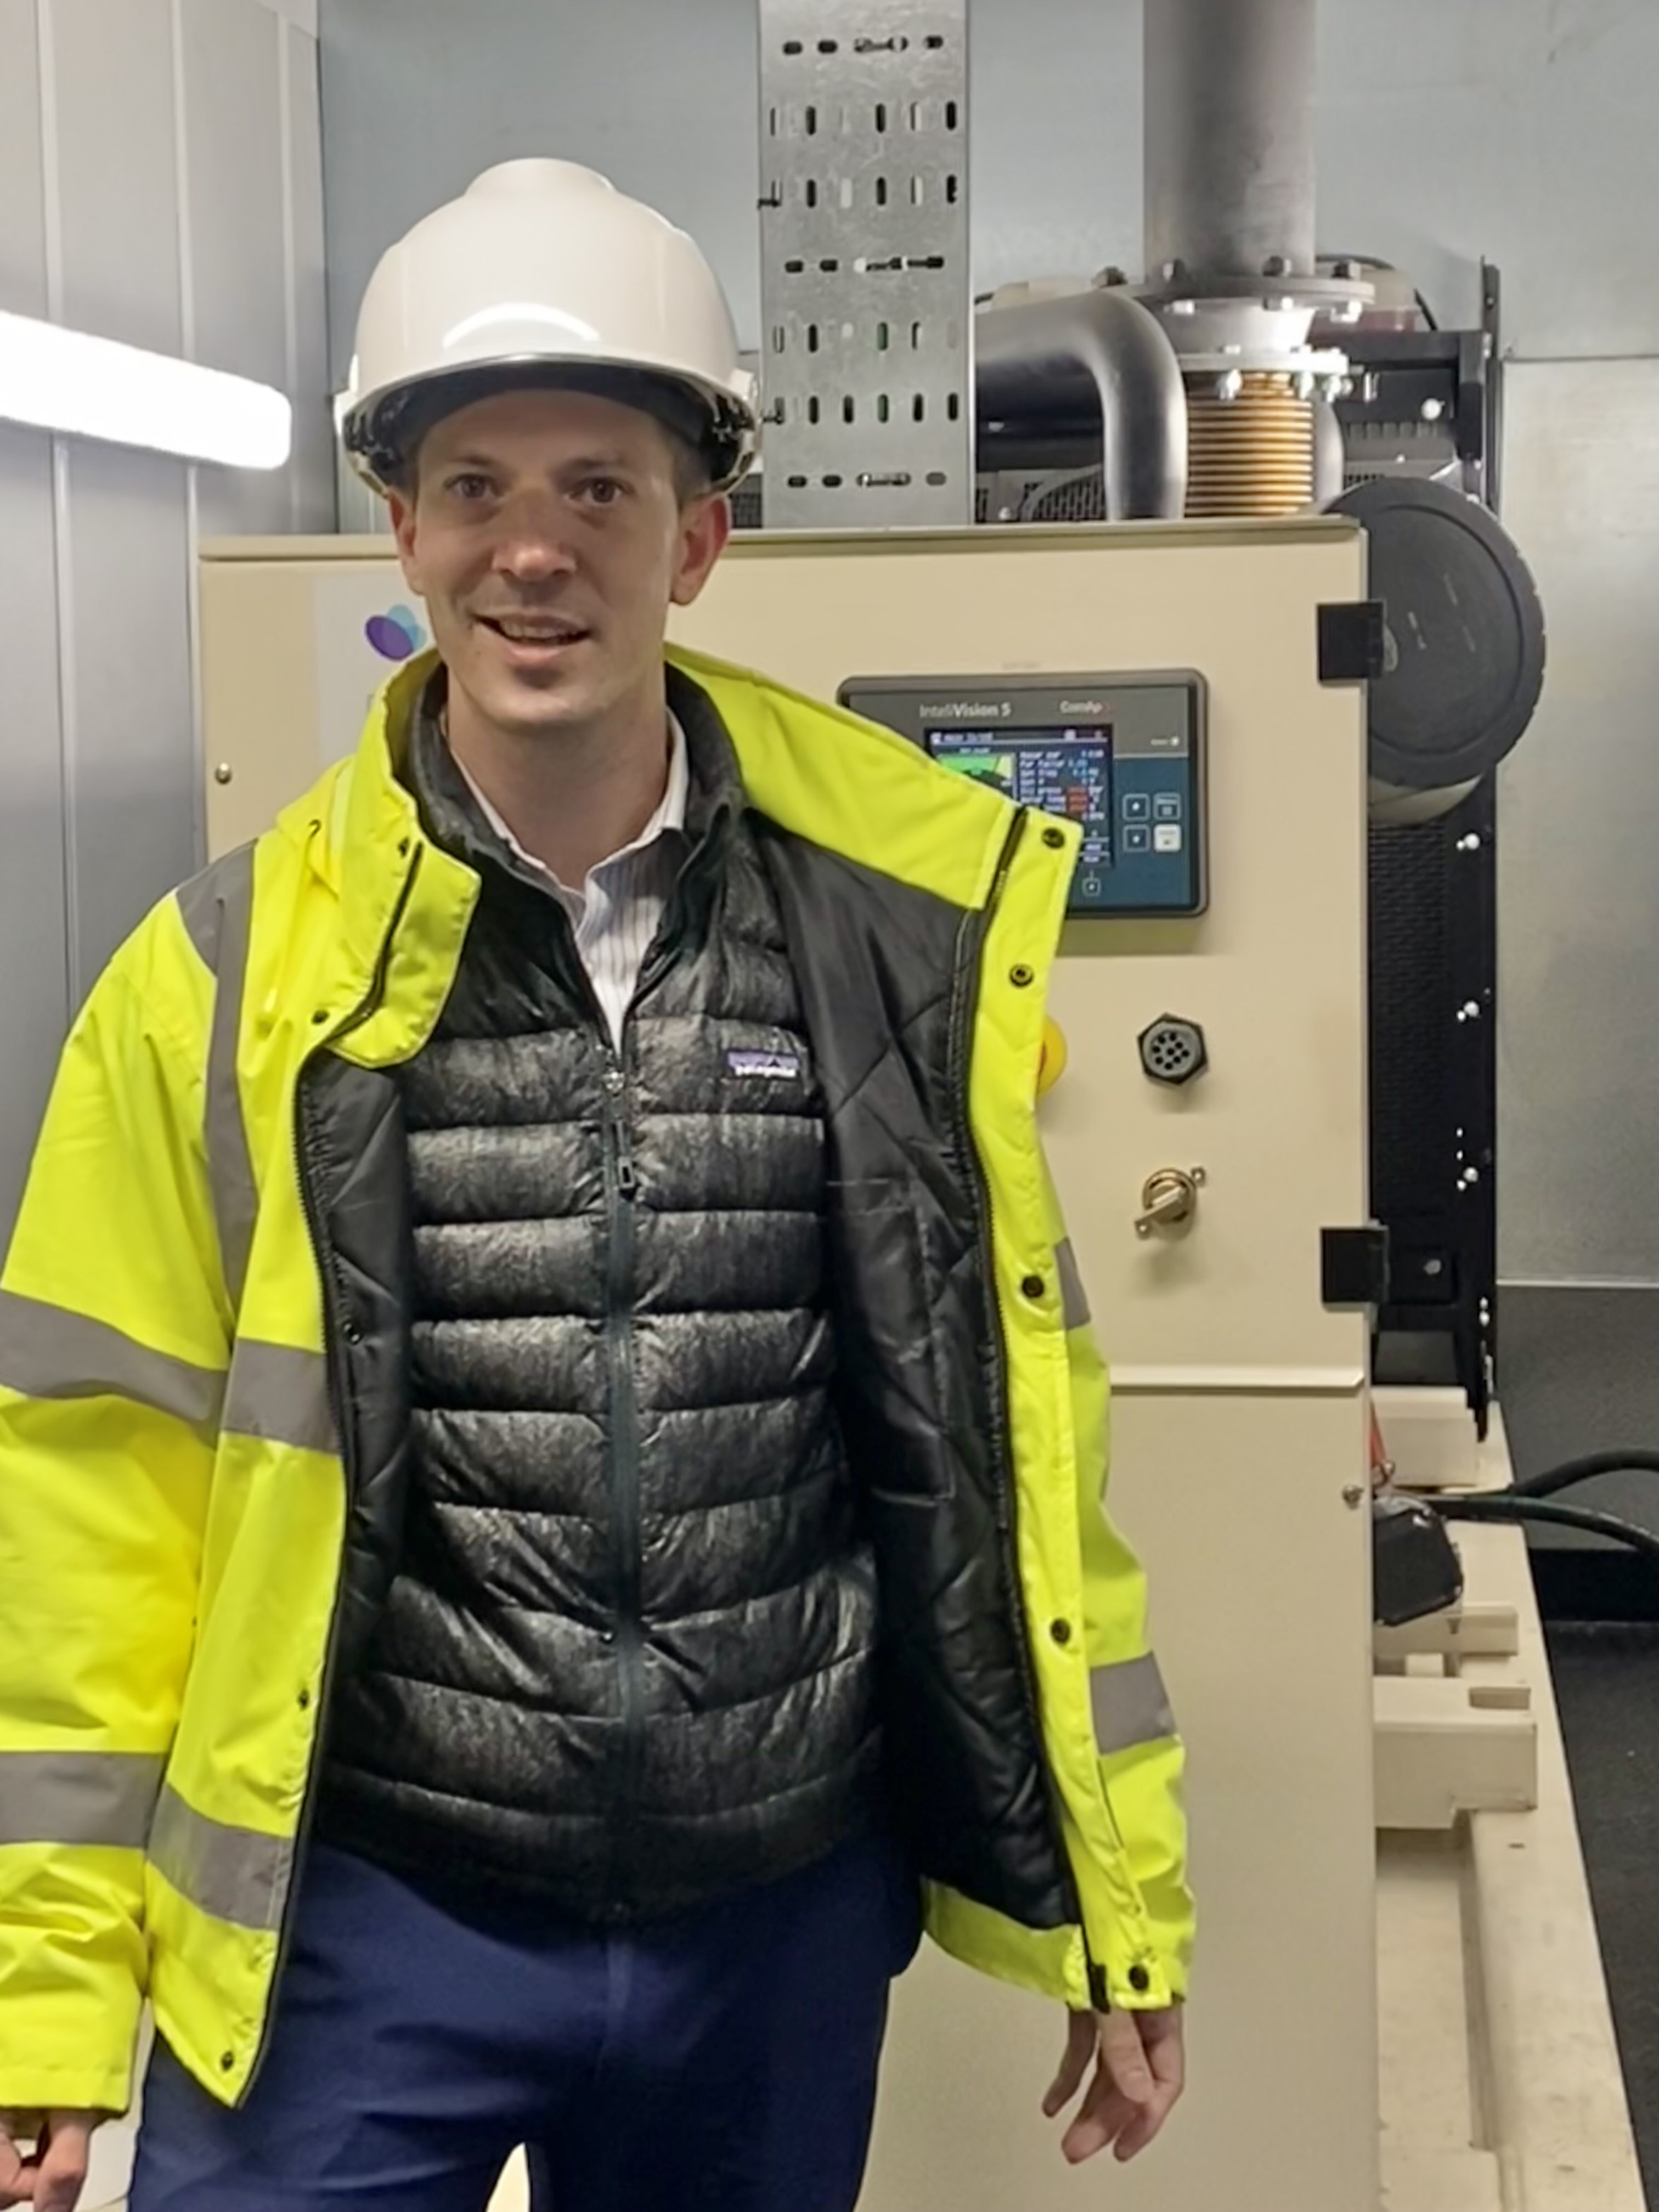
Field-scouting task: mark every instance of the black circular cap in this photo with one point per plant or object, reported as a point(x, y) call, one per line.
point(1139, 1979)
point(1465, 639)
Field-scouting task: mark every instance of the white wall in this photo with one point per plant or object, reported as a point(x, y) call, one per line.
point(161, 182)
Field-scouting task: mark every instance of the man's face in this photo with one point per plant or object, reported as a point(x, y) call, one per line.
point(547, 534)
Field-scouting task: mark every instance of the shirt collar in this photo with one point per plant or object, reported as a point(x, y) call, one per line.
point(669, 819)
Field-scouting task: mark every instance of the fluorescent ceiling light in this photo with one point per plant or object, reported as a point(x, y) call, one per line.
point(86, 387)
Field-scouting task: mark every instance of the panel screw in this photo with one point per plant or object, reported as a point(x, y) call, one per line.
point(223, 773)
point(1354, 1497)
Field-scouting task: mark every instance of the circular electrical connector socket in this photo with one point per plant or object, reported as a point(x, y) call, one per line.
point(1173, 1051)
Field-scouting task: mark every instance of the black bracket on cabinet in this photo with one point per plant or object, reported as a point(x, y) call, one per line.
point(1353, 1266)
point(1353, 641)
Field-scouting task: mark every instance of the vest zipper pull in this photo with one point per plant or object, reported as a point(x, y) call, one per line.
point(627, 1181)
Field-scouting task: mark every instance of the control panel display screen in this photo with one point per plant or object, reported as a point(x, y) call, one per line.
point(1118, 754)
point(1064, 772)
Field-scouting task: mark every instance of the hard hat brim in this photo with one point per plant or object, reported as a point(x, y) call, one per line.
point(382, 433)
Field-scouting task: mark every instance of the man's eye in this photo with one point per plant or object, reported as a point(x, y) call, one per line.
point(470, 485)
point(605, 491)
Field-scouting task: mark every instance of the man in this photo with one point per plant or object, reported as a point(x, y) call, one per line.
point(551, 1454)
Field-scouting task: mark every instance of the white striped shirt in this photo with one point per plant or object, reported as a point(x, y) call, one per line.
point(618, 912)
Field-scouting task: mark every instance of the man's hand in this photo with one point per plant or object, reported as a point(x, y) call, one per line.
point(1140, 2070)
point(51, 2181)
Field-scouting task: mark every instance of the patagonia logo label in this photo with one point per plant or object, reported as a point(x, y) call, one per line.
point(769, 1066)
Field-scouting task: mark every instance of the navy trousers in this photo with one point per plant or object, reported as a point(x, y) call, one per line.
point(724, 2061)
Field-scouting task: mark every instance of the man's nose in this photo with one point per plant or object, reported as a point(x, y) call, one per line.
point(534, 546)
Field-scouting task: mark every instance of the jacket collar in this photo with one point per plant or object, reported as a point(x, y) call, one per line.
point(813, 770)
point(448, 808)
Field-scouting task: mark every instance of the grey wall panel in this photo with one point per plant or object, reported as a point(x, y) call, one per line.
point(116, 178)
point(1577, 1375)
point(235, 163)
point(312, 476)
point(662, 99)
point(22, 232)
point(33, 992)
point(1054, 117)
point(130, 747)
point(1521, 129)
point(1579, 848)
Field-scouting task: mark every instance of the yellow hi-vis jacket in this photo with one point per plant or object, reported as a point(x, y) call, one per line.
point(173, 1506)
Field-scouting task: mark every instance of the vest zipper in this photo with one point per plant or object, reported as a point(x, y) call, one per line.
point(624, 1461)
point(623, 1187)
point(997, 1338)
point(334, 1303)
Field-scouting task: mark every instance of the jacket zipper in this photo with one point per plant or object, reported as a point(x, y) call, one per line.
point(334, 1303)
point(1001, 1440)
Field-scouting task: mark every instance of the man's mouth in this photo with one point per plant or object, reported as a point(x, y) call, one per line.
point(542, 632)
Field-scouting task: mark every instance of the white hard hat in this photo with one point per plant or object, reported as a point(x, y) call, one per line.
point(544, 272)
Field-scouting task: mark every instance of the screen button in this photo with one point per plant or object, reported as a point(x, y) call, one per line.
point(1166, 838)
point(1089, 887)
point(1166, 808)
point(1138, 838)
point(1137, 807)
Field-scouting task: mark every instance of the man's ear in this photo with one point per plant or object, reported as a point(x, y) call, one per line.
point(705, 526)
point(400, 505)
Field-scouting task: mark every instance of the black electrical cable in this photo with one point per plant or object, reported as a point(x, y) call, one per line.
point(1510, 1506)
point(1637, 1461)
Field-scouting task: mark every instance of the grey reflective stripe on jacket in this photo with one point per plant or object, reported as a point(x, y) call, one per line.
point(47, 1352)
point(79, 1798)
point(271, 1391)
point(1131, 1705)
point(217, 907)
point(1074, 1299)
point(117, 1801)
point(235, 1873)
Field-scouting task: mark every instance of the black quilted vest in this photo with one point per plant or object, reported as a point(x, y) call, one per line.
point(628, 1659)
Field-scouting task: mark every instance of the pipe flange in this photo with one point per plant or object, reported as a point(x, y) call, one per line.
point(1263, 361)
point(1325, 295)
